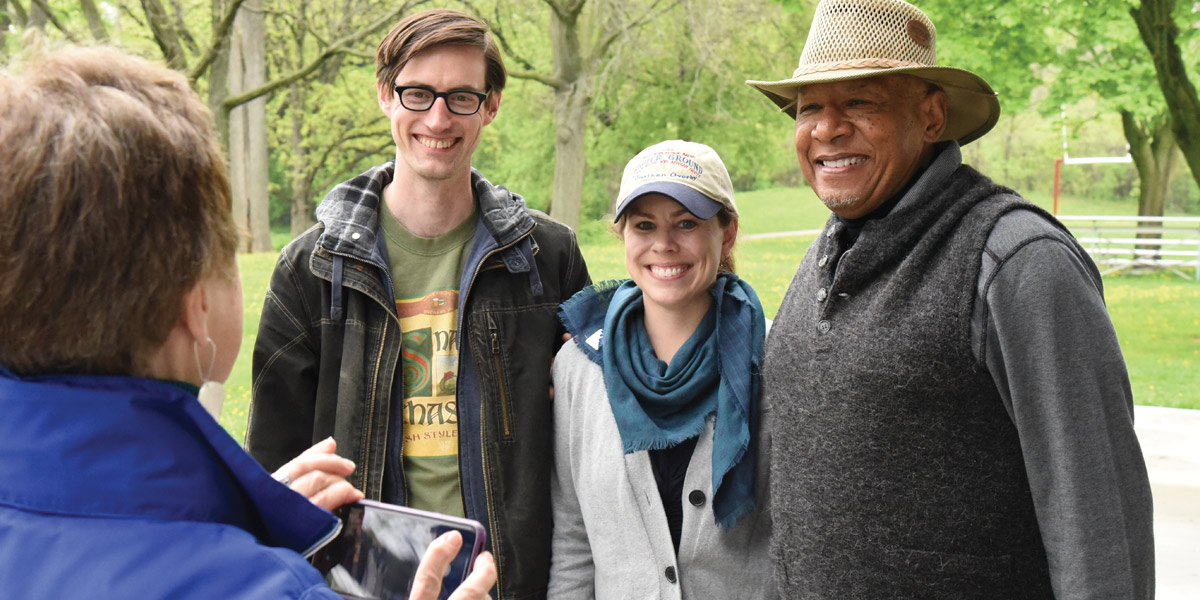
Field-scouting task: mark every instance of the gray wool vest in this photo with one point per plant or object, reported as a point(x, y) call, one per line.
point(896, 472)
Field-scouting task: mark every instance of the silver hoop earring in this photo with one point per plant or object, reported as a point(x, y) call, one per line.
point(212, 358)
point(212, 393)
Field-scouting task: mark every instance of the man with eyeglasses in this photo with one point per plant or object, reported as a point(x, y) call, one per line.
point(416, 322)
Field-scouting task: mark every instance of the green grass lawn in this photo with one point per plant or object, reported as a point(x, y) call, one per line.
point(1157, 316)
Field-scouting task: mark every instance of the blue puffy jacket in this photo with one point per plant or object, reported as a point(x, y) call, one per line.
point(116, 487)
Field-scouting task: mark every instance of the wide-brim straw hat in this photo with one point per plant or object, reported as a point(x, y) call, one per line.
point(856, 39)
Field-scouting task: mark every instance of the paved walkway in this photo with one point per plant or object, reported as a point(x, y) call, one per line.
point(1170, 439)
point(778, 234)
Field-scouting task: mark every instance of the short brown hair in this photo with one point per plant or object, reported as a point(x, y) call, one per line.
point(115, 203)
point(438, 27)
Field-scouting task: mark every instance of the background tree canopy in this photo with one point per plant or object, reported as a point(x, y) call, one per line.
point(594, 81)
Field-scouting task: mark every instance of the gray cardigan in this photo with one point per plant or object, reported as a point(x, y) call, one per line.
point(610, 530)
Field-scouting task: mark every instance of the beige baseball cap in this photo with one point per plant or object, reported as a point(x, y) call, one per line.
point(687, 172)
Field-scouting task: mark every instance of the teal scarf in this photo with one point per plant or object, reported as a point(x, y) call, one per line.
point(716, 372)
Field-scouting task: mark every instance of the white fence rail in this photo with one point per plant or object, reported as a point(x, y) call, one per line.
point(1140, 243)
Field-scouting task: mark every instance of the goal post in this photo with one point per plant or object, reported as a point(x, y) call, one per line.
point(1066, 159)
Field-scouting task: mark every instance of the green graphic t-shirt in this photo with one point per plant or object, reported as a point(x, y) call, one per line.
point(425, 275)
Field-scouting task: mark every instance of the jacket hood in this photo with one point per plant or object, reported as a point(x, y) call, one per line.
point(105, 446)
point(350, 211)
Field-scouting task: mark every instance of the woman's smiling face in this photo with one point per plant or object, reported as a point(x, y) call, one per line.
point(672, 255)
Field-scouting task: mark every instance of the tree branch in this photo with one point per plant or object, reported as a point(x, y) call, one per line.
point(561, 10)
point(181, 27)
point(165, 34)
point(94, 20)
point(1160, 33)
point(552, 82)
point(54, 20)
point(21, 17)
point(136, 18)
point(364, 153)
point(220, 35)
point(498, 31)
point(340, 46)
point(359, 54)
point(601, 49)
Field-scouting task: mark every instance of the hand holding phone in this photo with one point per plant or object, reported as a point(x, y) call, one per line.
point(428, 584)
point(377, 554)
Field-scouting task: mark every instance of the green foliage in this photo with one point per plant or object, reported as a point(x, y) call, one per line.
point(328, 127)
point(1079, 63)
point(1183, 196)
point(684, 78)
point(342, 133)
point(1001, 40)
point(681, 76)
point(517, 149)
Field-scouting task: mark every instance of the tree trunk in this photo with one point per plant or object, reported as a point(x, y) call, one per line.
point(1161, 36)
point(1146, 146)
point(17, 15)
point(94, 20)
point(571, 107)
point(248, 128)
point(1152, 149)
point(165, 34)
point(302, 208)
point(37, 17)
point(572, 101)
point(5, 23)
point(1009, 142)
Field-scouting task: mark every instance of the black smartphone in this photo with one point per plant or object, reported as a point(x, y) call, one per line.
point(376, 554)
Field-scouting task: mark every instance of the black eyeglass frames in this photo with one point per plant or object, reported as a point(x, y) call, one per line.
point(460, 102)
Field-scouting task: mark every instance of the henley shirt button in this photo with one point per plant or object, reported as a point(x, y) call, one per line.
point(355, 236)
point(670, 573)
point(823, 326)
point(824, 261)
point(696, 498)
point(822, 294)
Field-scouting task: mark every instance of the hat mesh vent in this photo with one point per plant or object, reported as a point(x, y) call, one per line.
point(866, 33)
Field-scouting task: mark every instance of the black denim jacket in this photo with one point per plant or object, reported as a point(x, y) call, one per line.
point(327, 354)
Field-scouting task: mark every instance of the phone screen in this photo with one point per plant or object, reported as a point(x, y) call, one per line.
point(380, 546)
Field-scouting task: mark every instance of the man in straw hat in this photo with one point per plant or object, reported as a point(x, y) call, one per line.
point(952, 414)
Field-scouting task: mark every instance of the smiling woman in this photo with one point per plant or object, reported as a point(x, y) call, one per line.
point(658, 398)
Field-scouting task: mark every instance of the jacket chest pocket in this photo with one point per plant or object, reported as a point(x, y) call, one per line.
point(512, 348)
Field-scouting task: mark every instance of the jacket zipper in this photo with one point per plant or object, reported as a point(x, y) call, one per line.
point(495, 334)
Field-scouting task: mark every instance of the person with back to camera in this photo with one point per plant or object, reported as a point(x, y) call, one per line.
point(120, 314)
point(660, 486)
point(952, 414)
